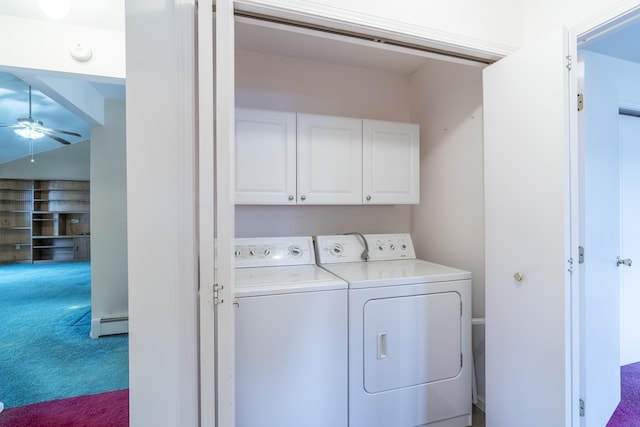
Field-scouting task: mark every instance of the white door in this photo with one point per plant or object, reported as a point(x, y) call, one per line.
point(630, 239)
point(329, 160)
point(265, 157)
point(390, 162)
point(600, 202)
point(527, 116)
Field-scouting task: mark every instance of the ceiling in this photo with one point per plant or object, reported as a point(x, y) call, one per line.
point(46, 103)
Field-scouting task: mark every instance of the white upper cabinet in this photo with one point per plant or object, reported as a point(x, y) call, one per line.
point(265, 157)
point(329, 160)
point(391, 162)
point(285, 158)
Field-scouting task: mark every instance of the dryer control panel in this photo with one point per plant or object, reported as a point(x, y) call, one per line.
point(360, 247)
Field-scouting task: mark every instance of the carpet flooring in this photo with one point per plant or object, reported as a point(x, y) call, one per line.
point(627, 414)
point(45, 349)
point(109, 409)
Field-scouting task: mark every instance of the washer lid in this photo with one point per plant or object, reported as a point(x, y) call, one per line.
point(392, 273)
point(284, 280)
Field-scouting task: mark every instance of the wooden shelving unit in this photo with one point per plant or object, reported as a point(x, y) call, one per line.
point(61, 226)
point(15, 220)
point(44, 221)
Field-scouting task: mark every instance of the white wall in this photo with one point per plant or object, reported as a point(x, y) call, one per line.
point(282, 83)
point(448, 225)
point(109, 219)
point(44, 46)
point(67, 162)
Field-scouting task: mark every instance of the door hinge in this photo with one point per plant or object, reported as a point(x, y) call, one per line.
point(580, 255)
point(216, 294)
point(580, 101)
point(570, 263)
point(581, 407)
point(569, 62)
point(461, 360)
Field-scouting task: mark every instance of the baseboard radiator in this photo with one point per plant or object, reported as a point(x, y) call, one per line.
point(101, 326)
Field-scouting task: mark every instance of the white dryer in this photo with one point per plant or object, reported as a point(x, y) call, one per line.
point(291, 336)
point(410, 360)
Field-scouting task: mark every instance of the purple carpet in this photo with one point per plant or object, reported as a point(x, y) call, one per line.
point(627, 414)
point(109, 409)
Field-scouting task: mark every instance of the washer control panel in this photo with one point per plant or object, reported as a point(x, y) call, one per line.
point(273, 251)
point(352, 248)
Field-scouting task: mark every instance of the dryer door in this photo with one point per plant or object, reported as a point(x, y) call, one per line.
point(411, 340)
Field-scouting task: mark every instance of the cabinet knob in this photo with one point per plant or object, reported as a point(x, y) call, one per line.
point(368, 198)
point(518, 277)
point(303, 197)
point(291, 197)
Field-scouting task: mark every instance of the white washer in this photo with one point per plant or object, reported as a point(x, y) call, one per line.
point(291, 336)
point(410, 360)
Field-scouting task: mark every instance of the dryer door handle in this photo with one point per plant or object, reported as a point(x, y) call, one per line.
point(382, 345)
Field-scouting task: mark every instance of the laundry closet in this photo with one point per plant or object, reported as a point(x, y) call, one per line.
point(296, 76)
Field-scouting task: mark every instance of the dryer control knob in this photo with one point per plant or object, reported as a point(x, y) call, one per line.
point(336, 249)
point(267, 252)
point(295, 251)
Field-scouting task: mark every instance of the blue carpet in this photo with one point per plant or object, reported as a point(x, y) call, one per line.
point(45, 349)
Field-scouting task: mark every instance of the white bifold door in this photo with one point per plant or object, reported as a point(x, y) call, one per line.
point(541, 361)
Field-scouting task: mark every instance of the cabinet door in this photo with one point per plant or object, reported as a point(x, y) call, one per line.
point(81, 248)
point(391, 162)
point(265, 157)
point(329, 160)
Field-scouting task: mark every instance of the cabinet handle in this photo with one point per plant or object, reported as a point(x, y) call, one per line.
point(303, 197)
point(291, 197)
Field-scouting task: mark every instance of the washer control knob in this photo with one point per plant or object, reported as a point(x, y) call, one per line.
point(368, 198)
point(337, 249)
point(267, 252)
point(237, 253)
point(392, 246)
point(252, 252)
point(291, 197)
point(295, 251)
point(303, 197)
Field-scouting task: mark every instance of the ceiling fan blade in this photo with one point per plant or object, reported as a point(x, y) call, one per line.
point(57, 138)
point(66, 132)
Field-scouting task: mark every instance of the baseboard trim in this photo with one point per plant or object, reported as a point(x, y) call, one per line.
point(108, 326)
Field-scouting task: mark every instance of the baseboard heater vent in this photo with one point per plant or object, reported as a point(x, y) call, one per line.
point(101, 326)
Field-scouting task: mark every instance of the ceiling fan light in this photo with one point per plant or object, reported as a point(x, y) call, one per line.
point(29, 133)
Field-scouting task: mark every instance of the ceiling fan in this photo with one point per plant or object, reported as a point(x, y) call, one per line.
point(34, 129)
